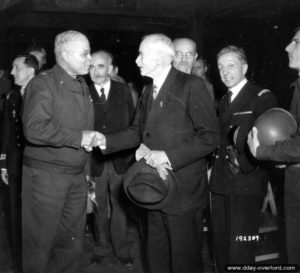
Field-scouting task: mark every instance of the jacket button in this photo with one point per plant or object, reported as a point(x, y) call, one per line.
point(147, 134)
point(103, 126)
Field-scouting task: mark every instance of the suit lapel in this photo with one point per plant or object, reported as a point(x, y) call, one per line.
point(94, 93)
point(238, 103)
point(113, 94)
point(161, 101)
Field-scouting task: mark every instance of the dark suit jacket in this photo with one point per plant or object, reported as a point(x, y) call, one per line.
point(182, 122)
point(251, 180)
point(115, 115)
point(13, 141)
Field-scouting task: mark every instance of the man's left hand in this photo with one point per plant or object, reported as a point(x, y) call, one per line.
point(253, 141)
point(155, 158)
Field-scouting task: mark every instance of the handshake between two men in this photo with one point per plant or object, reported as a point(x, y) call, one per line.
point(91, 139)
point(156, 159)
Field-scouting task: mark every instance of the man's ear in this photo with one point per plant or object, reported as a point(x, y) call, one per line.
point(245, 68)
point(196, 56)
point(110, 69)
point(32, 70)
point(116, 69)
point(65, 55)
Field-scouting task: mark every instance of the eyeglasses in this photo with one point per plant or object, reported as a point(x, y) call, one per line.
point(187, 55)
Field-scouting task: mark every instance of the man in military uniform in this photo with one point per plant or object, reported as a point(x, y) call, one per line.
point(287, 154)
point(238, 183)
point(57, 118)
point(23, 70)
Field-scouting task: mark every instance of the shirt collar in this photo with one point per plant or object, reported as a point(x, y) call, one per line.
point(162, 77)
point(236, 89)
point(106, 87)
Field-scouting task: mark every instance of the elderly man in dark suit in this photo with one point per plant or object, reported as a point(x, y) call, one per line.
point(113, 111)
point(238, 182)
point(24, 68)
point(177, 123)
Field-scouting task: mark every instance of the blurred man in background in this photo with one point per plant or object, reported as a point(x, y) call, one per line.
point(185, 54)
point(24, 68)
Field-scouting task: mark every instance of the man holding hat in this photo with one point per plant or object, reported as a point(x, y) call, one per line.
point(238, 182)
point(287, 152)
point(177, 126)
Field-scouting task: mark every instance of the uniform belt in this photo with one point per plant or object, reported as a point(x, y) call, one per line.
point(42, 165)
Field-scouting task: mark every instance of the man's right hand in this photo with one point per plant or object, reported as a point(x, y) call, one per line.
point(91, 139)
point(4, 176)
point(87, 141)
point(100, 141)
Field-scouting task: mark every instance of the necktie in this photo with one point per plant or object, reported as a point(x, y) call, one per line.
point(152, 97)
point(102, 96)
point(79, 83)
point(154, 91)
point(229, 95)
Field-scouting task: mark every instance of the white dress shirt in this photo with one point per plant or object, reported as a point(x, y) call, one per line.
point(105, 86)
point(161, 79)
point(236, 89)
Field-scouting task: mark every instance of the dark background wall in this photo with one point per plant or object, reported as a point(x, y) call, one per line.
point(262, 27)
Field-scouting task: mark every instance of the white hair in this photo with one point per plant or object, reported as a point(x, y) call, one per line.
point(163, 44)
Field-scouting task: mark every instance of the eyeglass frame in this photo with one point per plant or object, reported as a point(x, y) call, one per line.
point(187, 55)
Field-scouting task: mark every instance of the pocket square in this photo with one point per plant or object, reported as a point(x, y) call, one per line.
point(243, 113)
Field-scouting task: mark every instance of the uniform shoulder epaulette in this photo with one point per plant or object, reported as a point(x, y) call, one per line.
point(264, 91)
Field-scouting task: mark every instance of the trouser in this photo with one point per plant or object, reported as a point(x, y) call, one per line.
point(53, 220)
point(15, 225)
point(173, 242)
point(292, 214)
point(235, 224)
point(111, 216)
point(5, 250)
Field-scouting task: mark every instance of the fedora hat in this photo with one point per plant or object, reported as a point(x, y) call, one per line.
point(145, 188)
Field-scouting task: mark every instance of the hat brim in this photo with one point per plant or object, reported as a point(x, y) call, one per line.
point(156, 203)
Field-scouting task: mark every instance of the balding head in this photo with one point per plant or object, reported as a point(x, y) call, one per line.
point(156, 53)
point(185, 54)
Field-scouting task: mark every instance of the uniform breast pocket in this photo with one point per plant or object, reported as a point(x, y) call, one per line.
point(241, 124)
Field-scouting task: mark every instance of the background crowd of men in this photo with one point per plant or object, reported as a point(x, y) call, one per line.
point(58, 133)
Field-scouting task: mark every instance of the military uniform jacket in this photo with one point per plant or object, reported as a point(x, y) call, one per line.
point(251, 179)
point(182, 122)
point(12, 134)
point(287, 151)
point(57, 108)
point(114, 115)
